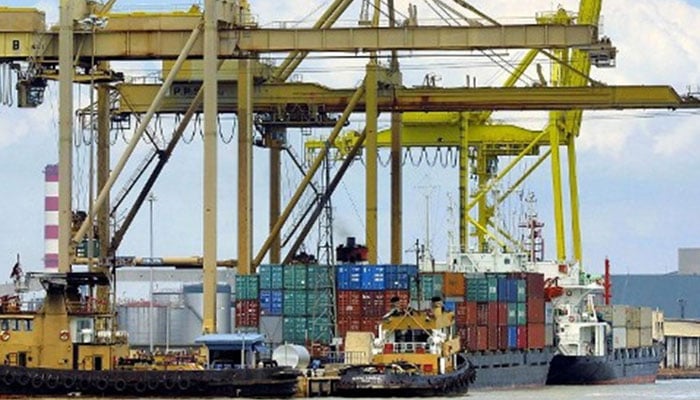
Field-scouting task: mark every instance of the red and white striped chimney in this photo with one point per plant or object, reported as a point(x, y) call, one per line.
point(51, 217)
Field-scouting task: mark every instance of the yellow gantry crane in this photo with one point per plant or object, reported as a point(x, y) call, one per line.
point(89, 36)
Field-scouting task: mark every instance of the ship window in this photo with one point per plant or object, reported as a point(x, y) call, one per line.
point(15, 324)
point(28, 325)
point(4, 325)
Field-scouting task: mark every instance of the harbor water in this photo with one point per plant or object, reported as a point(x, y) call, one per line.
point(680, 389)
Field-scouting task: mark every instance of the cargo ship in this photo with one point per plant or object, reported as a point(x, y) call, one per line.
point(500, 317)
point(521, 323)
point(415, 354)
point(604, 344)
point(49, 348)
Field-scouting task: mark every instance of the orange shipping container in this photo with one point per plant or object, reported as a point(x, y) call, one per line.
point(471, 313)
point(453, 284)
point(536, 336)
point(482, 338)
point(535, 310)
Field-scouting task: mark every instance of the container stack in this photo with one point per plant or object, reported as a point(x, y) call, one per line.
point(365, 292)
point(247, 301)
point(296, 303)
point(632, 327)
point(502, 311)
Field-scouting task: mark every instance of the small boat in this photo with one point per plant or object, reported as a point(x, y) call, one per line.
point(45, 354)
point(416, 354)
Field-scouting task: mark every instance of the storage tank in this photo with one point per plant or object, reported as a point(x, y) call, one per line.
point(291, 355)
point(135, 318)
point(193, 300)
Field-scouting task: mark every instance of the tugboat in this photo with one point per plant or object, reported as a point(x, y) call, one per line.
point(416, 354)
point(49, 349)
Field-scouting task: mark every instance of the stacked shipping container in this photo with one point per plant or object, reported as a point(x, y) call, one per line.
point(631, 326)
point(297, 299)
point(493, 311)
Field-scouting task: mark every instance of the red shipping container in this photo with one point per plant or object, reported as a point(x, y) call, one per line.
point(502, 313)
point(463, 336)
point(536, 336)
point(348, 324)
point(403, 295)
point(461, 314)
point(471, 313)
point(522, 337)
point(502, 337)
point(372, 304)
point(472, 338)
point(247, 313)
point(482, 314)
point(535, 310)
point(493, 314)
point(535, 286)
point(482, 338)
point(350, 303)
point(368, 325)
point(493, 337)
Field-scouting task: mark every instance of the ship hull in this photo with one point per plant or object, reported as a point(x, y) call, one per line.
point(274, 382)
point(356, 382)
point(510, 369)
point(622, 366)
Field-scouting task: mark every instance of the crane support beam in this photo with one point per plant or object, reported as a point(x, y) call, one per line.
point(144, 39)
point(136, 98)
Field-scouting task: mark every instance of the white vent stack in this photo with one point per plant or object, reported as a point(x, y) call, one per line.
point(51, 217)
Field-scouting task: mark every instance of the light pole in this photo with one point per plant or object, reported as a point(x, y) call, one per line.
point(681, 303)
point(151, 200)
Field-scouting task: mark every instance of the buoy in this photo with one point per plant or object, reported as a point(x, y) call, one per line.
point(64, 335)
point(5, 336)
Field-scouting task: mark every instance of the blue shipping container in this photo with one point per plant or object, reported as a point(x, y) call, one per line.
point(271, 302)
point(512, 337)
point(349, 277)
point(373, 277)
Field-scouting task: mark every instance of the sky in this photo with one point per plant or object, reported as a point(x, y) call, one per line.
point(639, 173)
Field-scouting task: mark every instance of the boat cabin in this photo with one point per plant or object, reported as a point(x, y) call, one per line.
point(232, 350)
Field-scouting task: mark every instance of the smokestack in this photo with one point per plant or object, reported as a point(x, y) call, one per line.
point(51, 217)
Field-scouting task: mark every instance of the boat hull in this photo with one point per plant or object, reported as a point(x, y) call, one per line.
point(276, 382)
point(510, 369)
point(622, 366)
point(354, 382)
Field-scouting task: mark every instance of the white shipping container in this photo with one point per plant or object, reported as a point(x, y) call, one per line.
point(619, 316)
point(645, 339)
point(645, 317)
point(633, 338)
point(619, 338)
point(633, 317)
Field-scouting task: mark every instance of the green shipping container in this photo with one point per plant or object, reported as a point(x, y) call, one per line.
point(294, 329)
point(319, 277)
point(492, 289)
point(320, 329)
point(522, 314)
point(478, 290)
point(247, 287)
point(295, 276)
point(271, 277)
point(512, 314)
point(319, 302)
point(522, 291)
point(294, 303)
